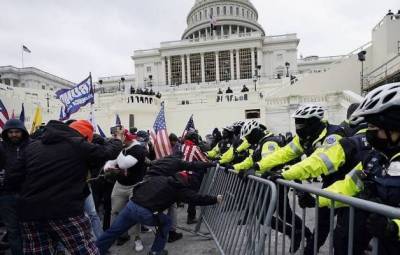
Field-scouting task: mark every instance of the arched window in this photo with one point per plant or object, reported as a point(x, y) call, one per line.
point(224, 10)
point(237, 11)
point(205, 13)
point(242, 12)
point(248, 14)
point(212, 11)
point(201, 15)
point(218, 11)
point(231, 10)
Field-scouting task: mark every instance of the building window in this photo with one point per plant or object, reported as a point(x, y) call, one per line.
point(242, 12)
point(225, 65)
point(166, 71)
point(148, 69)
point(176, 70)
point(245, 63)
point(210, 66)
point(253, 114)
point(224, 10)
point(248, 14)
point(195, 68)
point(218, 11)
point(237, 11)
point(131, 121)
point(186, 71)
point(256, 58)
point(231, 10)
point(201, 15)
point(43, 86)
point(205, 13)
point(212, 11)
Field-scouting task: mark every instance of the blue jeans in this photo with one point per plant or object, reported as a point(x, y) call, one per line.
point(133, 214)
point(8, 213)
point(90, 210)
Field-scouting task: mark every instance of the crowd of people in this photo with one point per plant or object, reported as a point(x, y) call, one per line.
point(145, 92)
point(55, 182)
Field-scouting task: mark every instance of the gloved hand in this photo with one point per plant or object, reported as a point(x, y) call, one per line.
point(272, 175)
point(256, 167)
point(211, 164)
point(382, 228)
point(306, 200)
point(245, 174)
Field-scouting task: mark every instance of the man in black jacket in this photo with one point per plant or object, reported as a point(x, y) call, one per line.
point(15, 139)
point(149, 199)
point(51, 200)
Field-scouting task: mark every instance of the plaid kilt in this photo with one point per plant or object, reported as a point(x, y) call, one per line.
point(41, 237)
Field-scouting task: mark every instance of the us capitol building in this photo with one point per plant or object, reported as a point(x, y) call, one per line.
point(222, 46)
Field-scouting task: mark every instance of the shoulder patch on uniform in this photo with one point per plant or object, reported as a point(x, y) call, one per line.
point(330, 140)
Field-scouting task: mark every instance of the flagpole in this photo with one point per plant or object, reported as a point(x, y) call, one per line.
point(22, 56)
point(92, 104)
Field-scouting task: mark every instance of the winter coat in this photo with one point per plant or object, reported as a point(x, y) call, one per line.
point(172, 164)
point(56, 168)
point(158, 193)
point(12, 153)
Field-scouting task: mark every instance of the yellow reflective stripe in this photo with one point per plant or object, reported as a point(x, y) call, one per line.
point(328, 163)
point(296, 150)
point(395, 156)
point(397, 222)
point(362, 131)
point(356, 177)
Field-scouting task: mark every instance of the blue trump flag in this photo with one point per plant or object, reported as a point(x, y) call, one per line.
point(80, 95)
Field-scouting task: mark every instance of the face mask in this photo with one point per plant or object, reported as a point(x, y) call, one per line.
point(255, 136)
point(305, 131)
point(381, 144)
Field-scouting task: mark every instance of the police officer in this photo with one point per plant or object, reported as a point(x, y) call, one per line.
point(378, 179)
point(263, 143)
point(239, 149)
point(312, 133)
point(223, 145)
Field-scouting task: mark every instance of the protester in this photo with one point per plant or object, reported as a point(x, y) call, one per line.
point(15, 140)
point(130, 167)
point(52, 197)
point(149, 199)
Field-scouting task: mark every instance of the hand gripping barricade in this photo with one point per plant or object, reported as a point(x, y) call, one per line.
point(242, 223)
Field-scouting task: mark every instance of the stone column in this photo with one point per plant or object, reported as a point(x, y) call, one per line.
point(238, 30)
point(169, 71)
point(230, 30)
point(183, 69)
point(217, 77)
point(189, 78)
point(222, 30)
point(163, 71)
point(232, 66)
point(203, 72)
point(253, 62)
point(237, 64)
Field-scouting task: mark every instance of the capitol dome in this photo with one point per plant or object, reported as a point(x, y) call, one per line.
point(231, 17)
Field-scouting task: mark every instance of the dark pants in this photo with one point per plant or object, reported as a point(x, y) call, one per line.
point(131, 215)
point(361, 236)
point(8, 214)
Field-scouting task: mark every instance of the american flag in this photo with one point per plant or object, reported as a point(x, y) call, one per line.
point(192, 152)
point(159, 135)
point(189, 127)
point(3, 115)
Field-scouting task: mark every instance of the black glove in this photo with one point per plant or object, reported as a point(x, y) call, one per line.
point(256, 167)
point(245, 174)
point(306, 200)
point(272, 176)
point(211, 164)
point(382, 228)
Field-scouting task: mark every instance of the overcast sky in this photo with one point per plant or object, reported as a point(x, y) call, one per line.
point(71, 38)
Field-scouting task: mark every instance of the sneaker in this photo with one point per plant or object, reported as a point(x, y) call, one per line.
point(163, 252)
point(174, 236)
point(122, 240)
point(138, 245)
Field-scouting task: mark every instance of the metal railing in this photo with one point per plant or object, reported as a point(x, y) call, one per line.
point(242, 223)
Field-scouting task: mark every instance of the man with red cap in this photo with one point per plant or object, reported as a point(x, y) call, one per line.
point(131, 165)
point(53, 194)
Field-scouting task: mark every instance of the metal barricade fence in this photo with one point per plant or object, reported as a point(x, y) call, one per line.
point(349, 242)
point(242, 223)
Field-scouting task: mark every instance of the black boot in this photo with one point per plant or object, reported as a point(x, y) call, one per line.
point(174, 236)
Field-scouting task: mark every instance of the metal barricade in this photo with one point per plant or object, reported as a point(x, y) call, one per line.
point(287, 194)
point(242, 223)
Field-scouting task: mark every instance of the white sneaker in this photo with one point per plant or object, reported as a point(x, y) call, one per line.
point(138, 245)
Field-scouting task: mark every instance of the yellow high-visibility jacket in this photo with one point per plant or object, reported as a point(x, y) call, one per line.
point(229, 155)
point(267, 148)
point(214, 153)
point(292, 151)
point(397, 222)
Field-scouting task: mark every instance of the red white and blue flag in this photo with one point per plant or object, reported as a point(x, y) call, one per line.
point(189, 127)
point(192, 152)
point(159, 135)
point(3, 115)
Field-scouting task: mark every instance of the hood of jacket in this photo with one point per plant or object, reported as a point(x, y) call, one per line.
point(14, 124)
point(56, 131)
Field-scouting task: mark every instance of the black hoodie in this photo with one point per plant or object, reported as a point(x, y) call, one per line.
point(56, 169)
point(12, 152)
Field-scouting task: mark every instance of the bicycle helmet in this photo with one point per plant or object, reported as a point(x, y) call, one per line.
point(309, 111)
point(238, 124)
point(379, 100)
point(248, 127)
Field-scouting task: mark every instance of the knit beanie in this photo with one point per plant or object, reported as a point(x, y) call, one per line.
point(84, 127)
